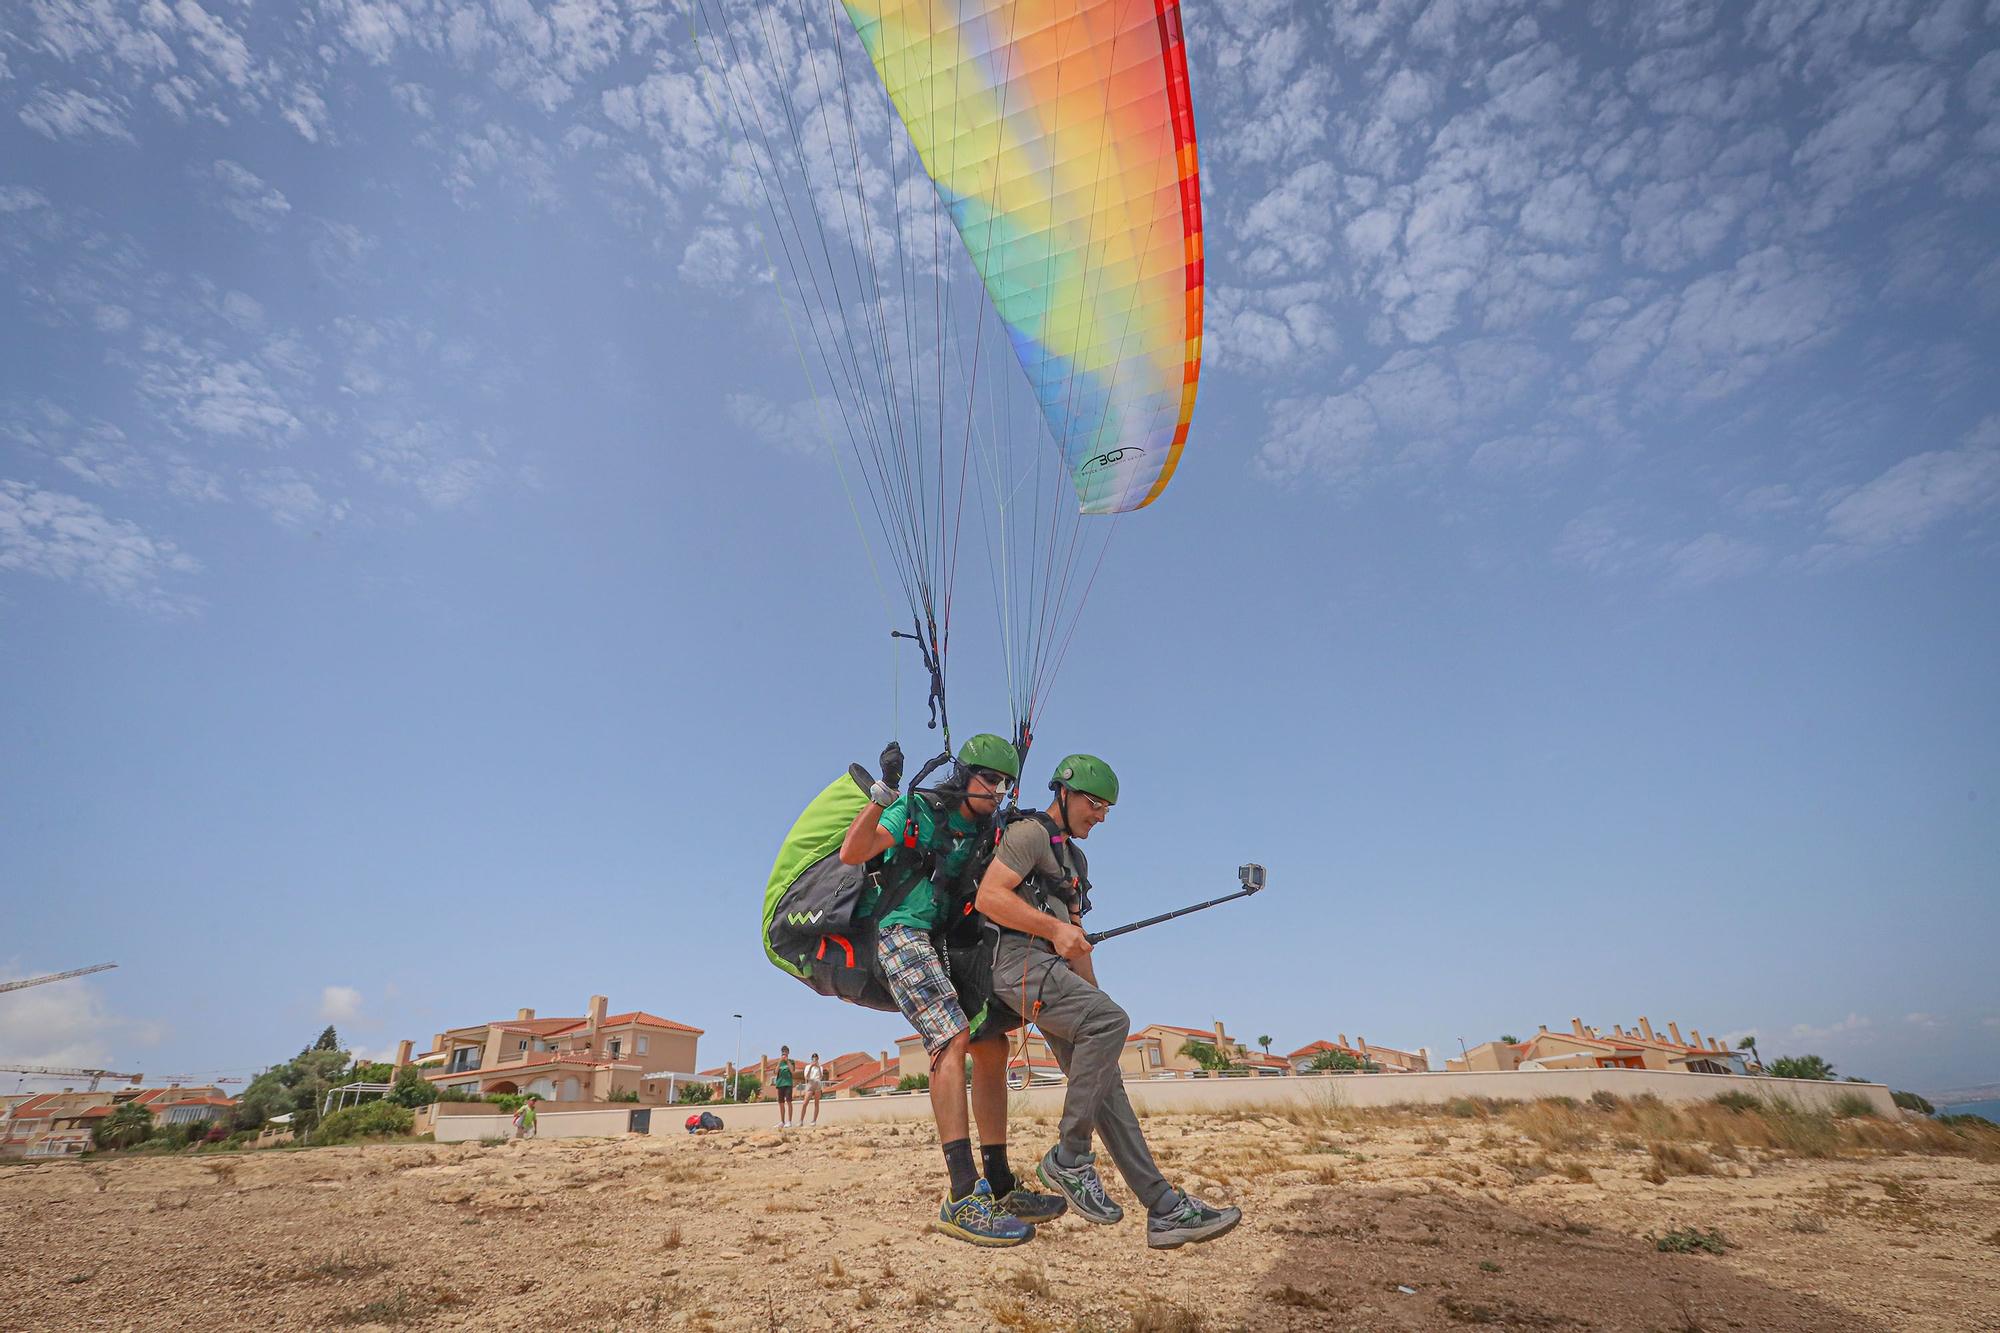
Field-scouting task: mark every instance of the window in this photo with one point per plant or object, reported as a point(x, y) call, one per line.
point(642, 1044)
point(613, 1050)
point(521, 1045)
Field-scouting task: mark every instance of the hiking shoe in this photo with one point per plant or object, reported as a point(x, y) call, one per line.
point(974, 1218)
point(1032, 1206)
point(1080, 1185)
point(1189, 1219)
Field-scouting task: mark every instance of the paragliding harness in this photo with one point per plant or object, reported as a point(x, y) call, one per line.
point(821, 918)
point(972, 942)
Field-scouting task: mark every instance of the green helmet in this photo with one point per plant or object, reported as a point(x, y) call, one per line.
point(1088, 774)
point(989, 751)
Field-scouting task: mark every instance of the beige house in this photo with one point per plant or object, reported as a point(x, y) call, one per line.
point(1637, 1047)
point(1385, 1059)
point(1143, 1057)
point(587, 1059)
point(62, 1124)
point(1173, 1043)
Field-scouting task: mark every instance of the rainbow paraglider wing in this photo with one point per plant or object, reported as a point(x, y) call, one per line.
point(1060, 135)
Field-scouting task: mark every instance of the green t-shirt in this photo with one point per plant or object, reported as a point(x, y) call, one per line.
point(922, 907)
point(783, 1078)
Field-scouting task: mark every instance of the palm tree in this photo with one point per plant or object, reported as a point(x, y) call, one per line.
point(1510, 1039)
point(1801, 1066)
point(1206, 1055)
point(1749, 1044)
point(1265, 1042)
point(128, 1124)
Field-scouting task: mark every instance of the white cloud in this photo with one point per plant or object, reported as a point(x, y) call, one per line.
point(292, 498)
point(713, 259)
point(1920, 1020)
point(796, 428)
point(243, 195)
point(1908, 500)
point(1850, 1027)
point(209, 394)
point(62, 537)
point(70, 1024)
point(339, 1004)
point(1713, 557)
point(71, 114)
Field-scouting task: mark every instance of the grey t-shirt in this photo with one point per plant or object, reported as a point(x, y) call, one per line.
point(1027, 849)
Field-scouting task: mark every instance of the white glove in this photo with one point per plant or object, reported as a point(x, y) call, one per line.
point(882, 794)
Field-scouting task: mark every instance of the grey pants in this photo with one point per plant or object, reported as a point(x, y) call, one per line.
point(1086, 1029)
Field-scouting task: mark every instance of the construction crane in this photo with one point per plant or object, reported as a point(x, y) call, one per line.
point(47, 1071)
point(195, 1080)
point(56, 976)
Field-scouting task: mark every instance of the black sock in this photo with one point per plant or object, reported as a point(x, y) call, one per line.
point(958, 1161)
point(993, 1157)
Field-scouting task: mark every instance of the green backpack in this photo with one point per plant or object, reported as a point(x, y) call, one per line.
point(814, 925)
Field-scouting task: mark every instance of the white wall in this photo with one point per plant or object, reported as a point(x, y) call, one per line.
point(1171, 1096)
point(548, 1125)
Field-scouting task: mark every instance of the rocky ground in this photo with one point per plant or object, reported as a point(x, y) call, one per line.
point(1544, 1218)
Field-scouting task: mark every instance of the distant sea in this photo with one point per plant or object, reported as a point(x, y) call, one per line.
point(1989, 1109)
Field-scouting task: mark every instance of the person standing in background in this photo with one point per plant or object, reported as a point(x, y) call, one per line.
point(782, 1081)
point(815, 1086)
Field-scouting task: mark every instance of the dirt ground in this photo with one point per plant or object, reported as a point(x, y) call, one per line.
point(1388, 1222)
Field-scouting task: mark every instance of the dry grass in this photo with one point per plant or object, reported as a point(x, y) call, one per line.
point(1808, 1223)
point(1293, 1297)
point(1158, 1315)
point(1554, 1122)
point(672, 1240)
point(1009, 1312)
point(1029, 1281)
point(341, 1265)
point(1673, 1159)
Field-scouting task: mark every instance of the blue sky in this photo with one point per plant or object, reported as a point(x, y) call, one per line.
point(422, 593)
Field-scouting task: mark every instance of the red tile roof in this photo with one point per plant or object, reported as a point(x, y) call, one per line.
point(1192, 1032)
point(638, 1017)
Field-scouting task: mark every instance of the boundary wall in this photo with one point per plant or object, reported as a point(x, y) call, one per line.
point(548, 1124)
point(1195, 1096)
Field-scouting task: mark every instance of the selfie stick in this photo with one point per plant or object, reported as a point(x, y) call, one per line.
point(1251, 876)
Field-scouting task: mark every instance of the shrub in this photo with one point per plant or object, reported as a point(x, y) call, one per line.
point(623, 1097)
point(1737, 1101)
point(1801, 1066)
point(412, 1089)
point(1689, 1240)
point(1604, 1099)
point(1911, 1101)
point(913, 1083)
point(693, 1094)
point(1853, 1106)
point(369, 1120)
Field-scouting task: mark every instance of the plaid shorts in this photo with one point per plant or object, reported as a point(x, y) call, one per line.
point(921, 986)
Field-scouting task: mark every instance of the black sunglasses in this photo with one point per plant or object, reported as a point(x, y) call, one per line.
point(993, 778)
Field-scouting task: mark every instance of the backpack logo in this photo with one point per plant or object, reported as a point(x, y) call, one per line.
point(804, 918)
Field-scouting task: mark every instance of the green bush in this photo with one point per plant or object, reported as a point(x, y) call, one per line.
point(412, 1089)
point(913, 1083)
point(1911, 1101)
point(1853, 1106)
point(693, 1094)
point(623, 1097)
point(367, 1121)
point(1689, 1240)
point(1737, 1101)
